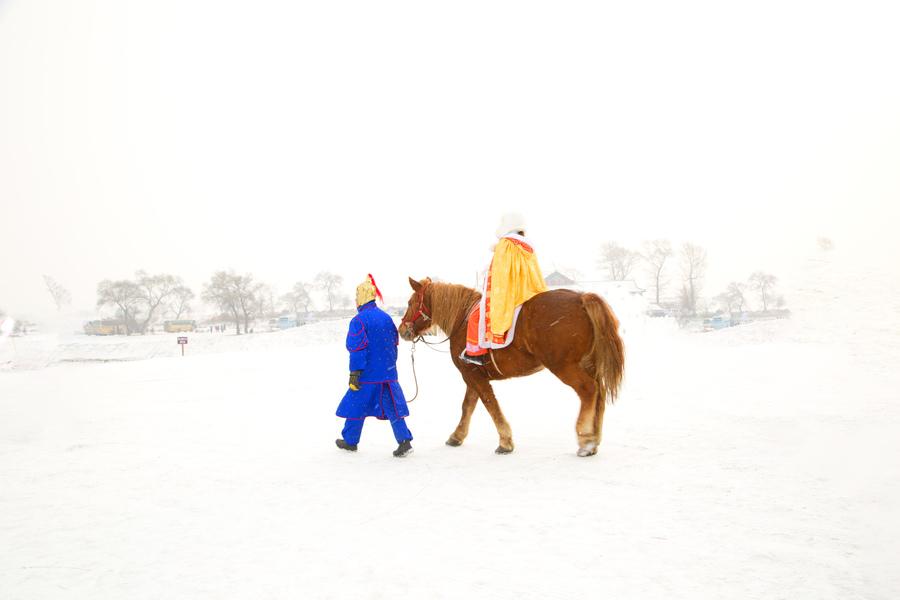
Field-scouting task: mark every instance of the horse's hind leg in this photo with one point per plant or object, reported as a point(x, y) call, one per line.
point(590, 416)
point(598, 416)
point(462, 430)
point(486, 392)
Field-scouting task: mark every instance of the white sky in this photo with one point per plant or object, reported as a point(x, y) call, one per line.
point(285, 138)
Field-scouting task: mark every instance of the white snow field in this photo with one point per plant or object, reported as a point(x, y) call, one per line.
point(761, 461)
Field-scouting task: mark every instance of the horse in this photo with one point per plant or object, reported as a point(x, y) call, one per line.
point(573, 334)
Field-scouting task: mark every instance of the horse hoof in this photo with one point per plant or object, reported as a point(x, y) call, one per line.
point(453, 442)
point(502, 450)
point(589, 450)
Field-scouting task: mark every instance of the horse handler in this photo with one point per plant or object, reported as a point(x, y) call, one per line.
point(374, 391)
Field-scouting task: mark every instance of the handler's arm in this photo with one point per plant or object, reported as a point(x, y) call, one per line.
point(358, 347)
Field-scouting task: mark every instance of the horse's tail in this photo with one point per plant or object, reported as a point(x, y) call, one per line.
point(607, 354)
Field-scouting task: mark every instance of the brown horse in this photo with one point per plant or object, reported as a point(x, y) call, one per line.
point(575, 335)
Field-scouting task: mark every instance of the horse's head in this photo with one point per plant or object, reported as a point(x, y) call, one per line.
point(418, 310)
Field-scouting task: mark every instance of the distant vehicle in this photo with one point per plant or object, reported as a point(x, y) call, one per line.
point(105, 327)
point(179, 326)
point(717, 322)
point(286, 322)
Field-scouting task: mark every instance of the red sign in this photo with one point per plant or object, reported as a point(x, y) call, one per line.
point(182, 340)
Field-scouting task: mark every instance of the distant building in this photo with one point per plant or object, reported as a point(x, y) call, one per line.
point(105, 327)
point(557, 279)
point(181, 326)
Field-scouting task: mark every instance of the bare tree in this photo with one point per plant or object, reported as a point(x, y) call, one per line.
point(125, 296)
point(232, 294)
point(331, 285)
point(732, 299)
point(763, 284)
point(61, 296)
point(156, 291)
point(735, 291)
point(264, 300)
point(247, 291)
point(618, 261)
point(298, 299)
point(724, 301)
point(693, 268)
point(219, 292)
point(180, 303)
point(656, 254)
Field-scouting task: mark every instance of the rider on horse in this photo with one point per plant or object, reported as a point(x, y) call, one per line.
point(512, 279)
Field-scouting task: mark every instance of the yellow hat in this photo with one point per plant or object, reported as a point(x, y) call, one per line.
point(367, 291)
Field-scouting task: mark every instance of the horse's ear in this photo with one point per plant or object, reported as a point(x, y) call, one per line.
point(416, 286)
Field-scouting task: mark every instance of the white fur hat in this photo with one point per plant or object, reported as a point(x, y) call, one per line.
point(511, 221)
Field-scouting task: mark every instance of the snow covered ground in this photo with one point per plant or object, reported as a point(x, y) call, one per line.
point(757, 462)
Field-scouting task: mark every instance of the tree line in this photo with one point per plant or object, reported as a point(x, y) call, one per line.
point(239, 298)
point(138, 301)
point(658, 258)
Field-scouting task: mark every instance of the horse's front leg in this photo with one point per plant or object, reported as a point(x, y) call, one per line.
point(468, 406)
point(486, 391)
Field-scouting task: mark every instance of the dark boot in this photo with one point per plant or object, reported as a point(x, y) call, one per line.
point(473, 360)
point(405, 448)
point(344, 445)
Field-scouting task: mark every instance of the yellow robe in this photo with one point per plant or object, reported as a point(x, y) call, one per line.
point(515, 278)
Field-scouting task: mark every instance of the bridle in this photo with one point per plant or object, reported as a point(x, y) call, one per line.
point(421, 312)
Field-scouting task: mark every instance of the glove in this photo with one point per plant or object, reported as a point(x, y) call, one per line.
point(354, 380)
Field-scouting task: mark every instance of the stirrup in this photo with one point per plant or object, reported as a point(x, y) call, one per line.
point(473, 360)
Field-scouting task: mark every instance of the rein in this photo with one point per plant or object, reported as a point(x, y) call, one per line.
point(423, 311)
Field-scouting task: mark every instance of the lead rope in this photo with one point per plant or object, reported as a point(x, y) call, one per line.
point(412, 356)
point(412, 353)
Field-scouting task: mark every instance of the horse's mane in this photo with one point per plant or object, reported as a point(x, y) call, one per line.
point(450, 303)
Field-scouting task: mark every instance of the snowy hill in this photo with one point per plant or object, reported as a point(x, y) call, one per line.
point(759, 461)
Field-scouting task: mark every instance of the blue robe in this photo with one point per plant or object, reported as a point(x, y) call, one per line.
point(372, 342)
